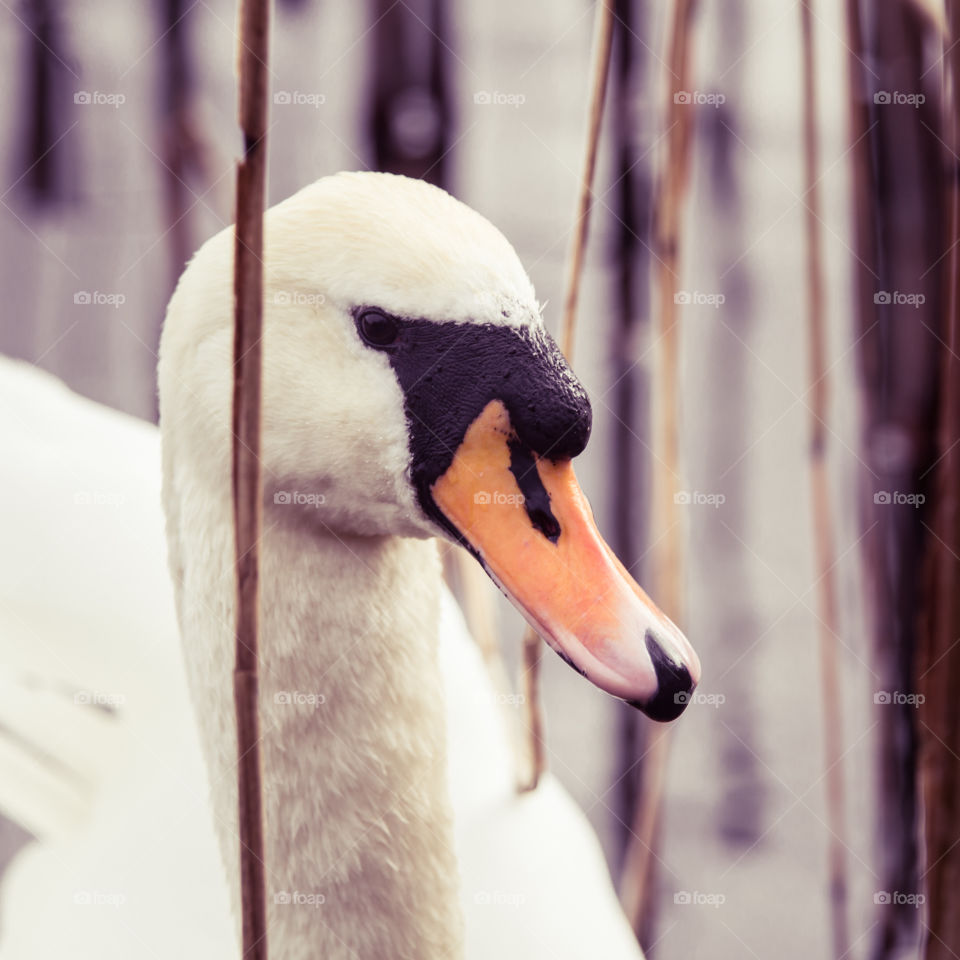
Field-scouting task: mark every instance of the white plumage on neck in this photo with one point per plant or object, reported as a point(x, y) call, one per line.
point(358, 821)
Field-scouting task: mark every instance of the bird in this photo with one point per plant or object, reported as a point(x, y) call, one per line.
point(411, 392)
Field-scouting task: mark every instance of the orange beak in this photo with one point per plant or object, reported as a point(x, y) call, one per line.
point(530, 525)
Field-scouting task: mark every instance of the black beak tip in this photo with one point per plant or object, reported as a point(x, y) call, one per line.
point(674, 685)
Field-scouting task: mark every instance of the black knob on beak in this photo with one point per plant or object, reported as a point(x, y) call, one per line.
point(674, 685)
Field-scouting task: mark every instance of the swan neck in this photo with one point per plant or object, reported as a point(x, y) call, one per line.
point(358, 823)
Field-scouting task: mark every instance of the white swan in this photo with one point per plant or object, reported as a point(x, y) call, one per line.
point(366, 276)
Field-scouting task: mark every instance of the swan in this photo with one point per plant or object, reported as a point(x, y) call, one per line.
point(410, 392)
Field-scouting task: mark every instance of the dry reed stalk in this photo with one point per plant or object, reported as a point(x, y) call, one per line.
point(668, 550)
point(637, 876)
point(860, 174)
point(181, 149)
point(603, 42)
point(634, 192)
point(247, 480)
point(532, 651)
point(898, 183)
point(819, 483)
point(938, 666)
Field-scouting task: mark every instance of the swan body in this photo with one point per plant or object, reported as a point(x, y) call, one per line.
point(127, 862)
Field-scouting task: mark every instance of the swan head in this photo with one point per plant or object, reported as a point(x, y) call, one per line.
point(411, 388)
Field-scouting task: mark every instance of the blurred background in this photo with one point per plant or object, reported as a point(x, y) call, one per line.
point(117, 155)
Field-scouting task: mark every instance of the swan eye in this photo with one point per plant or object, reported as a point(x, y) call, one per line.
point(378, 329)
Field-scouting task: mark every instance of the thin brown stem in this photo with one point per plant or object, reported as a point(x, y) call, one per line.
point(668, 561)
point(822, 517)
point(578, 245)
point(247, 479)
point(535, 754)
point(938, 655)
point(603, 35)
point(637, 876)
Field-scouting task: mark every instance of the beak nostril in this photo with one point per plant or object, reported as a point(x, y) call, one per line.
point(536, 500)
point(546, 523)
